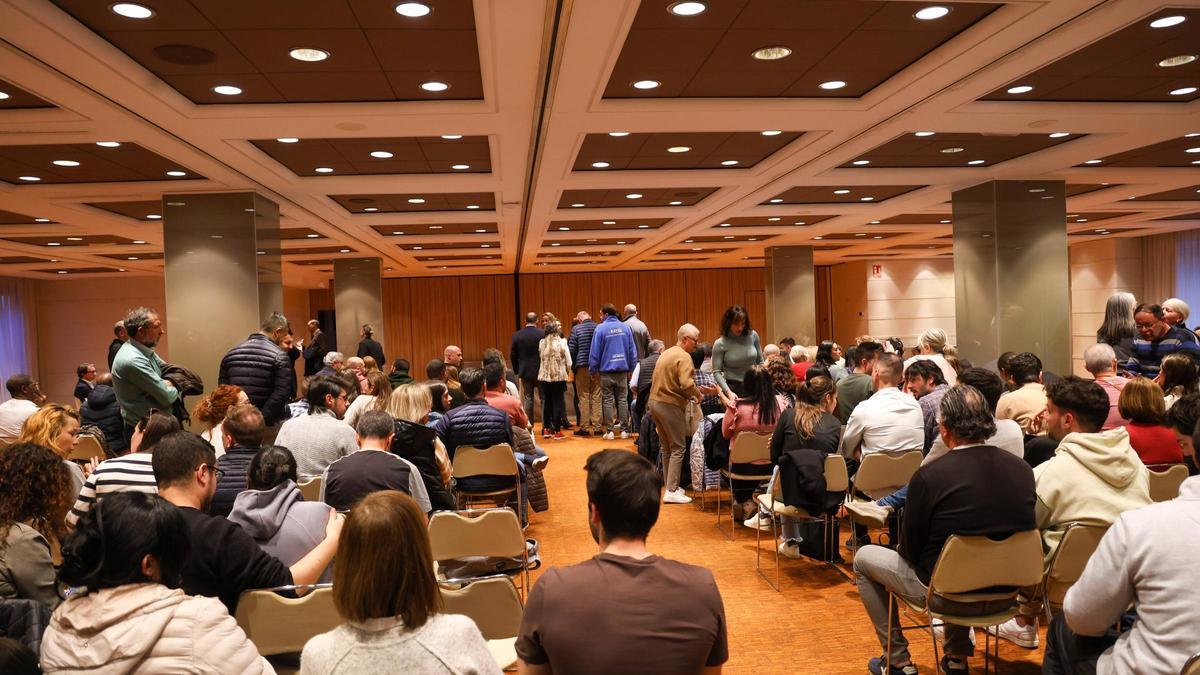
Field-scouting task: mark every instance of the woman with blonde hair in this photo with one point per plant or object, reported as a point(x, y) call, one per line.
point(409, 406)
point(56, 427)
point(1176, 312)
point(379, 389)
point(211, 411)
point(555, 365)
point(934, 345)
point(385, 589)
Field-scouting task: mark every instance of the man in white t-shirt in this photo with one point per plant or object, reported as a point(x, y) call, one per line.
point(26, 396)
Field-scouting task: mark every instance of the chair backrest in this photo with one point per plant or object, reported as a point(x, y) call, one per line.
point(311, 489)
point(881, 470)
point(497, 460)
point(86, 448)
point(750, 446)
point(837, 478)
point(491, 602)
point(459, 534)
point(969, 564)
point(1164, 485)
point(1078, 543)
point(1192, 667)
point(279, 625)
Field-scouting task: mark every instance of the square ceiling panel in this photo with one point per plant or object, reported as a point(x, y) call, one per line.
point(133, 256)
point(619, 198)
point(554, 243)
point(311, 250)
point(918, 219)
point(1076, 189)
point(354, 50)
point(610, 224)
point(1182, 151)
point(375, 156)
point(1132, 64)
point(698, 150)
point(62, 240)
point(578, 254)
point(439, 258)
point(866, 236)
point(1185, 194)
point(1182, 216)
point(417, 203)
point(693, 250)
point(12, 96)
point(436, 228)
point(773, 221)
point(450, 245)
point(954, 150)
point(858, 44)
point(864, 194)
point(10, 218)
point(86, 163)
point(139, 210)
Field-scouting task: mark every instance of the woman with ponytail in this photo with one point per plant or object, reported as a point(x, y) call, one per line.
point(810, 423)
point(934, 345)
point(125, 612)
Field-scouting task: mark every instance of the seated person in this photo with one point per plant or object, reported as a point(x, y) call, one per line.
point(497, 397)
point(755, 412)
point(372, 468)
point(1093, 477)
point(35, 488)
point(1183, 418)
point(132, 472)
point(889, 421)
point(242, 430)
point(568, 625)
point(128, 614)
point(100, 409)
point(384, 587)
point(409, 405)
point(1027, 400)
point(319, 438)
point(924, 380)
point(225, 561)
point(976, 489)
point(1142, 403)
point(273, 512)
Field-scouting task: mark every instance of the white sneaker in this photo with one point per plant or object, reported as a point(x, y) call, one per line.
point(1021, 636)
point(940, 633)
point(624, 435)
point(759, 521)
point(790, 548)
point(609, 436)
point(676, 496)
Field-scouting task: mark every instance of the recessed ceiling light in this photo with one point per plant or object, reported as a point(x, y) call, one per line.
point(577, 205)
point(1180, 60)
point(832, 84)
point(134, 257)
point(74, 238)
point(413, 10)
point(480, 231)
point(689, 241)
point(308, 54)
point(729, 162)
point(176, 174)
point(774, 219)
point(951, 151)
point(1183, 91)
point(1020, 89)
point(874, 222)
point(771, 133)
point(618, 134)
point(41, 220)
point(1168, 21)
point(416, 200)
point(4, 95)
point(65, 162)
point(843, 191)
point(323, 169)
point(676, 203)
point(1081, 220)
point(130, 10)
point(728, 236)
point(435, 227)
point(555, 243)
point(30, 179)
point(1093, 161)
point(1190, 135)
point(776, 200)
point(860, 234)
point(392, 233)
point(771, 53)
point(434, 85)
point(371, 209)
point(1193, 150)
point(646, 84)
point(53, 243)
point(451, 137)
point(460, 167)
point(316, 236)
point(381, 154)
point(620, 242)
point(687, 8)
point(866, 199)
point(485, 246)
point(610, 222)
point(976, 162)
point(818, 238)
point(472, 206)
point(931, 13)
point(227, 90)
point(633, 195)
point(108, 144)
point(723, 225)
point(564, 229)
point(923, 134)
point(1060, 134)
point(799, 222)
point(62, 271)
point(600, 165)
point(153, 216)
point(678, 148)
point(697, 249)
point(861, 162)
point(643, 227)
point(878, 236)
point(345, 250)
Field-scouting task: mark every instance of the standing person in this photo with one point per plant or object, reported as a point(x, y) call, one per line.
point(1119, 329)
point(641, 334)
point(587, 388)
point(453, 356)
point(261, 367)
point(35, 493)
point(611, 357)
point(671, 389)
point(137, 370)
point(643, 378)
point(735, 351)
point(1157, 339)
point(934, 345)
point(26, 396)
point(369, 346)
point(555, 365)
point(523, 353)
point(319, 438)
point(87, 381)
point(118, 341)
point(1176, 312)
point(318, 347)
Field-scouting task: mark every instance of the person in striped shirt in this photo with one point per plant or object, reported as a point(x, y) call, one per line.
point(132, 472)
point(1156, 339)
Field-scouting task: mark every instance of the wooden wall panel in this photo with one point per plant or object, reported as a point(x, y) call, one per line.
point(619, 288)
point(398, 325)
point(662, 303)
point(755, 302)
point(532, 297)
point(566, 294)
point(503, 290)
point(481, 318)
point(435, 317)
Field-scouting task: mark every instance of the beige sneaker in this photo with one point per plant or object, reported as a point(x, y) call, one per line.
point(869, 513)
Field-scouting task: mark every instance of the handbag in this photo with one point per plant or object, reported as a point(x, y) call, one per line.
point(482, 565)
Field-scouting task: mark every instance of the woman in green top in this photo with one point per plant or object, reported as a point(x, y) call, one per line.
point(736, 351)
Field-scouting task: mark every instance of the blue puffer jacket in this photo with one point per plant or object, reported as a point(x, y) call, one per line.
point(474, 423)
point(101, 409)
point(264, 372)
point(236, 465)
point(612, 349)
point(580, 343)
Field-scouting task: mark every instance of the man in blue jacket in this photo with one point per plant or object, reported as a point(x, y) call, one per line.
point(587, 388)
point(613, 356)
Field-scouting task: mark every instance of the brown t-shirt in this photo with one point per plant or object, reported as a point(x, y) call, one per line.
point(614, 614)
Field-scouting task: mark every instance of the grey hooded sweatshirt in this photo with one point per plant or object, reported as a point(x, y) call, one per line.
point(282, 523)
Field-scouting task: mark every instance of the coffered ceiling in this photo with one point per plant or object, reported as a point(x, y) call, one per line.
point(488, 136)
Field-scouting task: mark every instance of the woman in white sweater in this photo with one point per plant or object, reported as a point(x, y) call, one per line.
point(383, 586)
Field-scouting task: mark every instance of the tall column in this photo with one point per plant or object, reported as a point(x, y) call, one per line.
point(218, 286)
point(1011, 279)
point(357, 299)
point(791, 294)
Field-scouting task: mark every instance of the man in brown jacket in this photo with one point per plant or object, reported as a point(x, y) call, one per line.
point(673, 387)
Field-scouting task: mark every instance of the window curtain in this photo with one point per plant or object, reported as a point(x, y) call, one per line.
point(1187, 271)
point(18, 330)
point(1159, 262)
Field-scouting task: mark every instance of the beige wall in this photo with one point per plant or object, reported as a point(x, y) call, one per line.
point(909, 297)
point(1099, 269)
point(848, 301)
point(74, 325)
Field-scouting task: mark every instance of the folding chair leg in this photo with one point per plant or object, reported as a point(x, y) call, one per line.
point(937, 660)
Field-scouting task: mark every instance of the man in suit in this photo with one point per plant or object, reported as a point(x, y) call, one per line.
point(87, 380)
point(318, 347)
point(523, 355)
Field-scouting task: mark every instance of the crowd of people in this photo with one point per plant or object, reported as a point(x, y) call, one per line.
point(138, 556)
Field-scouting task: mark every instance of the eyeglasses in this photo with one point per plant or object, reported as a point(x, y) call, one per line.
point(219, 473)
point(1146, 326)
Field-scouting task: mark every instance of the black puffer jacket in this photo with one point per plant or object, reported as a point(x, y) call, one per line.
point(415, 443)
point(236, 465)
point(261, 369)
point(24, 621)
point(101, 409)
point(474, 423)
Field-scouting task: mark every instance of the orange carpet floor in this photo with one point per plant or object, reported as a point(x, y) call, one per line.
point(816, 624)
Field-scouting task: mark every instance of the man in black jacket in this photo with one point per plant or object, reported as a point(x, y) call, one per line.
point(101, 409)
point(117, 343)
point(318, 347)
point(243, 431)
point(369, 346)
point(262, 369)
point(524, 358)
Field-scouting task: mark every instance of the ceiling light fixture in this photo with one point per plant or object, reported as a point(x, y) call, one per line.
point(176, 174)
point(371, 209)
point(723, 225)
point(1168, 21)
point(643, 227)
point(633, 195)
point(577, 205)
point(153, 216)
point(774, 219)
point(108, 144)
point(687, 8)
point(460, 167)
point(1093, 161)
point(451, 137)
point(316, 236)
point(1180, 60)
point(866, 199)
point(227, 90)
point(600, 165)
point(381, 154)
point(413, 10)
point(62, 271)
point(1020, 89)
point(977, 162)
point(416, 200)
point(131, 10)
point(951, 151)
point(931, 13)
point(288, 139)
point(678, 148)
point(818, 238)
point(65, 162)
point(1183, 91)
point(434, 86)
point(729, 162)
point(646, 84)
point(480, 231)
point(923, 134)
point(832, 84)
point(1192, 150)
point(30, 179)
point(41, 220)
point(74, 238)
point(345, 250)
point(861, 162)
point(308, 54)
point(564, 229)
point(771, 133)
point(53, 243)
point(1060, 134)
point(4, 95)
point(776, 200)
point(773, 53)
point(610, 222)
point(618, 134)
point(472, 206)
point(676, 203)
point(323, 169)
point(843, 191)
point(799, 222)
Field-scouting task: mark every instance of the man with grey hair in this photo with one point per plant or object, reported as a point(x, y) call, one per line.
point(261, 367)
point(672, 388)
point(641, 334)
point(770, 350)
point(587, 388)
point(118, 341)
point(977, 490)
point(1101, 361)
point(333, 363)
point(314, 353)
point(137, 370)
